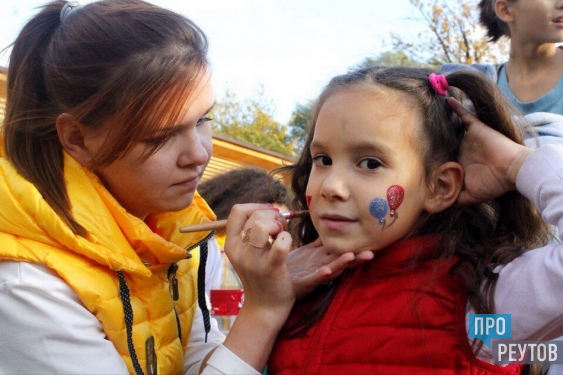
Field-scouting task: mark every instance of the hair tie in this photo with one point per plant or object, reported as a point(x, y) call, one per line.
point(439, 83)
point(69, 6)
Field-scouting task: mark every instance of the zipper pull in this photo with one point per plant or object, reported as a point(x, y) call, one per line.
point(173, 282)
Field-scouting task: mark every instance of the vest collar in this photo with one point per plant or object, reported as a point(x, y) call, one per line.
point(116, 239)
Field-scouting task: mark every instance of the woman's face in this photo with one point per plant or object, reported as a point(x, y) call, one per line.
point(165, 181)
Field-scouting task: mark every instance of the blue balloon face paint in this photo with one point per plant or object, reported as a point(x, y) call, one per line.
point(378, 209)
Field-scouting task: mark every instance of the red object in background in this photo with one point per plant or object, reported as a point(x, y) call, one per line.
point(226, 301)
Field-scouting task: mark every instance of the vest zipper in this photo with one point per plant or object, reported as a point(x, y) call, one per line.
point(173, 281)
point(201, 300)
point(173, 285)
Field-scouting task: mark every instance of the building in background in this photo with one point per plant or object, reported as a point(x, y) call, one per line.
point(227, 153)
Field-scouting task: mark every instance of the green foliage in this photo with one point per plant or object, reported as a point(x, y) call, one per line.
point(251, 121)
point(298, 125)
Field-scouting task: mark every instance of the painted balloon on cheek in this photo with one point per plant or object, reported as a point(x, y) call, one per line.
point(395, 195)
point(308, 199)
point(378, 209)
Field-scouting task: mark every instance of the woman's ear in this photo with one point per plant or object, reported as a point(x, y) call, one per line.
point(445, 187)
point(503, 11)
point(71, 136)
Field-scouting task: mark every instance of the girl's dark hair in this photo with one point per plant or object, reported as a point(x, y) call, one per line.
point(496, 28)
point(126, 65)
point(480, 236)
point(246, 185)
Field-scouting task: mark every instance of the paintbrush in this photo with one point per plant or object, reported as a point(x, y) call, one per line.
point(220, 224)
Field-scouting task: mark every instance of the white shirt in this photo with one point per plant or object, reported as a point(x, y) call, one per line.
point(45, 328)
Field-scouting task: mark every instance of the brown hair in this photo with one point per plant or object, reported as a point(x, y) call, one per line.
point(496, 28)
point(123, 64)
point(481, 236)
point(246, 185)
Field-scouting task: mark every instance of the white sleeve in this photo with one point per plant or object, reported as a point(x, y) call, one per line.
point(213, 265)
point(45, 328)
point(222, 361)
point(530, 288)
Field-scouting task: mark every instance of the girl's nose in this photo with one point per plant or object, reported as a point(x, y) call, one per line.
point(335, 187)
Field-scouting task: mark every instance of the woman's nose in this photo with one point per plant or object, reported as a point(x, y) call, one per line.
point(195, 150)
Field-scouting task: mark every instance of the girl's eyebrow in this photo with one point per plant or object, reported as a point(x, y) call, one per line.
point(358, 148)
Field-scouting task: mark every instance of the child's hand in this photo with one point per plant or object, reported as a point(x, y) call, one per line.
point(491, 161)
point(311, 265)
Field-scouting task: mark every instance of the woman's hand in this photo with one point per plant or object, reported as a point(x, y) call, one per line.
point(491, 160)
point(260, 262)
point(268, 288)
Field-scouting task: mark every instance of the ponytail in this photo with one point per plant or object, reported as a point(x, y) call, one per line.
point(30, 137)
point(124, 66)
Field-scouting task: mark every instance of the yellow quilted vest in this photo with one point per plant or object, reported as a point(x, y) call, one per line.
point(141, 286)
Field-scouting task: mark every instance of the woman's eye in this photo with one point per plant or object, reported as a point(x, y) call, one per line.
point(370, 164)
point(158, 140)
point(322, 160)
point(203, 120)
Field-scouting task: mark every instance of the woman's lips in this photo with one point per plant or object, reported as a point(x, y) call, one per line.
point(190, 184)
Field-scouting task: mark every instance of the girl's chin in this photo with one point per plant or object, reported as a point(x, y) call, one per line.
point(340, 248)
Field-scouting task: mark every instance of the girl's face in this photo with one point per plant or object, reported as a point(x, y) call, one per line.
point(366, 142)
point(167, 180)
point(538, 21)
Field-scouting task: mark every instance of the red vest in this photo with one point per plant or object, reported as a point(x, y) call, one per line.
point(388, 317)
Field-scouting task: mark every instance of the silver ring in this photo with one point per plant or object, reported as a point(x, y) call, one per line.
point(258, 246)
point(245, 234)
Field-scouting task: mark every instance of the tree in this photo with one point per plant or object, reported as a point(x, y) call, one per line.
point(453, 34)
point(391, 58)
point(251, 121)
point(298, 125)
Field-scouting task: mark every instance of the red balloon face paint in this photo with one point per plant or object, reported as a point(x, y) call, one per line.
point(308, 199)
point(395, 196)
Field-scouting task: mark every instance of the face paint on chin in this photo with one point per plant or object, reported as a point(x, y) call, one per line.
point(378, 209)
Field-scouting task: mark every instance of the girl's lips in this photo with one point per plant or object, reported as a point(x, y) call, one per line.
point(337, 222)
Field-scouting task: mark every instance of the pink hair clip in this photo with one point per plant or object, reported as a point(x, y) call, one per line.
point(439, 83)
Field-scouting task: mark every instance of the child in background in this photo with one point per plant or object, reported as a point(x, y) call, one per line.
point(244, 185)
point(380, 172)
point(532, 78)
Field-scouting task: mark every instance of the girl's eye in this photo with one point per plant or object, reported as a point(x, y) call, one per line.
point(370, 164)
point(322, 160)
point(203, 120)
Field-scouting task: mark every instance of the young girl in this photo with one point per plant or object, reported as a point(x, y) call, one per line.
point(380, 172)
point(106, 136)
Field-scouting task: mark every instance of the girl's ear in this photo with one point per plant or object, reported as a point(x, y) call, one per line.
point(446, 185)
point(503, 11)
point(71, 136)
